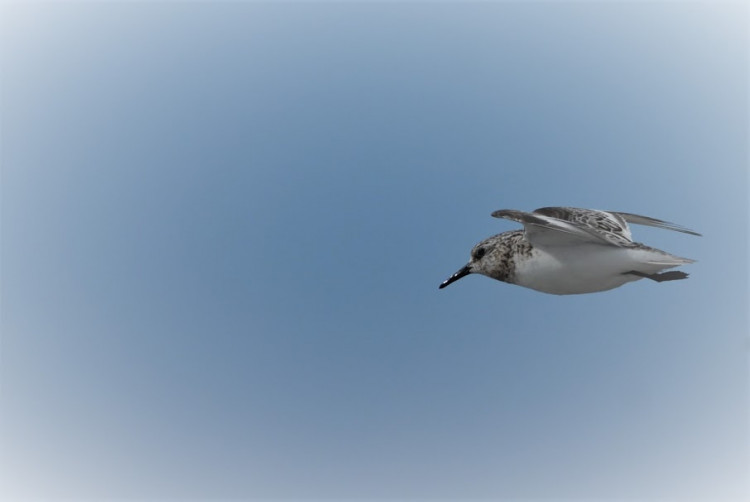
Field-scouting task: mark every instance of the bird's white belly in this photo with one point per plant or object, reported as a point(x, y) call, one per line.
point(570, 271)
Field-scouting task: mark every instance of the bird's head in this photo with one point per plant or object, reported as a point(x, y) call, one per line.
point(487, 258)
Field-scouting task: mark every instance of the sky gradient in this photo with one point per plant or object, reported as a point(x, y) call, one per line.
point(224, 226)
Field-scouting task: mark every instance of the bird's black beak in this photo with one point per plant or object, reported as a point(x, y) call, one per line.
point(466, 270)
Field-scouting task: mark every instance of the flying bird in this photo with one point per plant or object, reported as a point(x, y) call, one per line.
point(569, 251)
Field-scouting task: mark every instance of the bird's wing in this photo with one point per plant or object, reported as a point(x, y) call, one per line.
point(653, 222)
point(548, 230)
point(594, 219)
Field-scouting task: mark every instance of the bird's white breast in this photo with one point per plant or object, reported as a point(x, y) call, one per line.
point(575, 270)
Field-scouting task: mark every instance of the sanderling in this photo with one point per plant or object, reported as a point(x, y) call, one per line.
point(568, 251)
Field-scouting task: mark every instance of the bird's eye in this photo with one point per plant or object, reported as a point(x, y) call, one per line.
point(478, 253)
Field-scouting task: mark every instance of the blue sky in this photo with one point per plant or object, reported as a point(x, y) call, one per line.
point(224, 225)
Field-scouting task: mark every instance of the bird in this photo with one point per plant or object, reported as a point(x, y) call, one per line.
point(570, 251)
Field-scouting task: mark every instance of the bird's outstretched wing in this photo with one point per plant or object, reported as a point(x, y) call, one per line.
point(568, 226)
point(594, 219)
point(561, 226)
